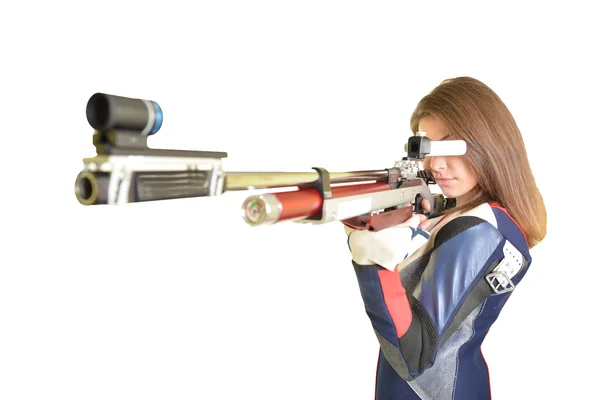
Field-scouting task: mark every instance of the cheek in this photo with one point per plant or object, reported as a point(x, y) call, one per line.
point(469, 177)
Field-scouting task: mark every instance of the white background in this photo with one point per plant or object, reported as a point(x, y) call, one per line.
point(179, 299)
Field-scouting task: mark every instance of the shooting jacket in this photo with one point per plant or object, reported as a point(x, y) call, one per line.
point(432, 313)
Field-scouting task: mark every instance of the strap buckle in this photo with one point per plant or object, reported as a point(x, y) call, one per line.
point(500, 282)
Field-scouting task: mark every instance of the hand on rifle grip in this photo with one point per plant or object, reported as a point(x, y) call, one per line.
point(422, 207)
point(423, 210)
point(386, 247)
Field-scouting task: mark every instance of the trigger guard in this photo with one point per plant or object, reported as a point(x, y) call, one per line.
point(418, 209)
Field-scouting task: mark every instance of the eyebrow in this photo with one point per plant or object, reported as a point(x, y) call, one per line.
point(444, 137)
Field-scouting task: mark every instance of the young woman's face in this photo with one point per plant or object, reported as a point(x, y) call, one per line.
point(452, 173)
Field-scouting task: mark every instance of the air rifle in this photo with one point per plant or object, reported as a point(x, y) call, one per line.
point(126, 170)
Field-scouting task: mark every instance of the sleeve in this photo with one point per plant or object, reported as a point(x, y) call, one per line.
point(466, 264)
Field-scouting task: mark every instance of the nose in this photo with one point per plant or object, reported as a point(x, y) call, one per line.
point(437, 163)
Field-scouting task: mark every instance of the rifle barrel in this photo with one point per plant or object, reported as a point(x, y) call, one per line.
point(266, 180)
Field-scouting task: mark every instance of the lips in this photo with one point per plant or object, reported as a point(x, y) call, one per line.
point(443, 181)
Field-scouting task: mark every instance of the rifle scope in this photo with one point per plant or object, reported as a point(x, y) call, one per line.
point(108, 112)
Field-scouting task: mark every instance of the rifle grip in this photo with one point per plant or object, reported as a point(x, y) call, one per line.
point(378, 222)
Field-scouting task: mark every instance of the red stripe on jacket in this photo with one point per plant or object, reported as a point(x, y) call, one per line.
point(395, 299)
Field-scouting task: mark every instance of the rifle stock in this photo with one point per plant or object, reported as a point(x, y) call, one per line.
point(126, 170)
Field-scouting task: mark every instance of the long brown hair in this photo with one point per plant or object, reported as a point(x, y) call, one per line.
point(474, 113)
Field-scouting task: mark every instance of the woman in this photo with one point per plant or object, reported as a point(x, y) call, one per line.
point(432, 310)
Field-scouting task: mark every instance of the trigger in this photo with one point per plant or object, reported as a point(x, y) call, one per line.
point(418, 208)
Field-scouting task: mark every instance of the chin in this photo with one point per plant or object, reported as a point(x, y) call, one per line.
point(451, 193)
